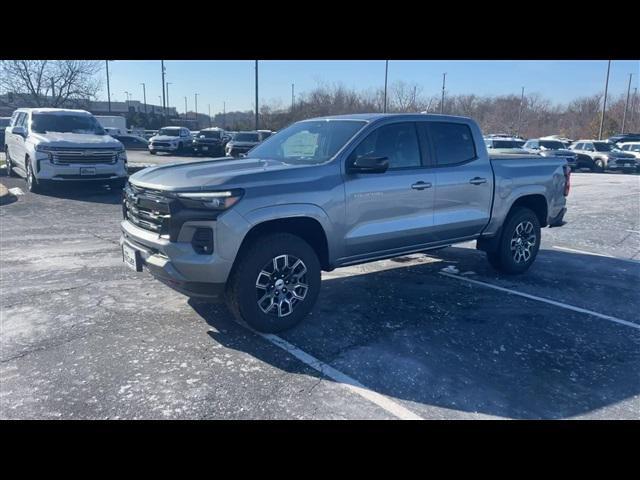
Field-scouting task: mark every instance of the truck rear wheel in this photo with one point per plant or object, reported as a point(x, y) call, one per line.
point(275, 284)
point(519, 242)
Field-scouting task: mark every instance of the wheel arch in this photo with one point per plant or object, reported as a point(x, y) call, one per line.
point(306, 227)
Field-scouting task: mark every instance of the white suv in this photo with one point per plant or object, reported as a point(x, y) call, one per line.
point(54, 146)
point(171, 139)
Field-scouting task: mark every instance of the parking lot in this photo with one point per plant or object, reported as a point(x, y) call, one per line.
point(84, 337)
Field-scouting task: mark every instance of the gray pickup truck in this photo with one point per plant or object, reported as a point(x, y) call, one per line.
point(330, 192)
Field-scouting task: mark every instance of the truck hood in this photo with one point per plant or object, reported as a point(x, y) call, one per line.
point(205, 174)
point(76, 140)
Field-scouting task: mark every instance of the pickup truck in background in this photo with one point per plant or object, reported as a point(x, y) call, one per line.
point(551, 148)
point(330, 192)
point(57, 146)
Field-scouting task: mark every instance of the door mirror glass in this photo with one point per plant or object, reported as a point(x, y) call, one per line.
point(369, 165)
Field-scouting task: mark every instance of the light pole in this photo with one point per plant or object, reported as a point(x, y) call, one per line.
point(386, 73)
point(164, 105)
point(292, 96)
point(127, 95)
point(633, 104)
point(196, 95)
point(626, 104)
point(144, 97)
point(256, 94)
point(168, 106)
point(209, 115)
point(185, 108)
point(604, 106)
point(224, 115)
point(108, 88)
point(520, 112)
point(444, 77)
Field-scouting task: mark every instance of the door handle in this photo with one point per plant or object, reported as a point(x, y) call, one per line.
point(421, 185)
point(477, 181)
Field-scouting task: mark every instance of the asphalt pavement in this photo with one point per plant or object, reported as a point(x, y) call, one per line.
point(84, 337)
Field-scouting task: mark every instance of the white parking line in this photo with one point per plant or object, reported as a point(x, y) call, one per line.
point(595, 254)
point(545, 300)
point(566, 249)
point(352, 384)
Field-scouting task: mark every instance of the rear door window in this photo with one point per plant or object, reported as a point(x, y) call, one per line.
point(453, 143)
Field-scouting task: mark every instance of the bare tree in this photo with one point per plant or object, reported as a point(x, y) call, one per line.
point(50, 83)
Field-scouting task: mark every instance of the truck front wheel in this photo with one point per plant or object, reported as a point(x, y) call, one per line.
point(32, 182)
point(275, 283)
point(519, 243)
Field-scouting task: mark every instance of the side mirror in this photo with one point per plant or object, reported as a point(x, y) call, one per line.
point(19, 130)
point(369, 165)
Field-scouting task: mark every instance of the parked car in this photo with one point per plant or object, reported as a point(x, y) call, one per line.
point(171, 139)
point(4, 123)
point(132, 142)
point(331, 192)
point(632, 148)
point(264, 134)
point(241, 143)
point(551, 148)
point(625, 137)
point(209, 142)
point(57, 146)
point(512, 146)
point(149, 133)
point(603, 156)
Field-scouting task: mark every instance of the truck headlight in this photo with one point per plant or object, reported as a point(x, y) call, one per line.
point(122, 155)
point(221, 200)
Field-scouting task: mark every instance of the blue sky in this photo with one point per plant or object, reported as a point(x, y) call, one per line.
point(233, 81)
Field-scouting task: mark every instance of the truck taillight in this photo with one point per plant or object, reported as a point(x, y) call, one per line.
point(567, 180)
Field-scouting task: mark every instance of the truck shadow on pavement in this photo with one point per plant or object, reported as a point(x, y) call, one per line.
point(85, 192)
point(433, 342)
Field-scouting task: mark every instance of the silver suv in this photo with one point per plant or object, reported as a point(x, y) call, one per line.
point(330, 192)
point(603, 155)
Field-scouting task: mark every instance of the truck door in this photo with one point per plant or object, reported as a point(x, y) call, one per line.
point(17, 148)
point(391, 210)
point(463, 184)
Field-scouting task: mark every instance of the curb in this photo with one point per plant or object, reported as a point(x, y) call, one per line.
point(5, 195)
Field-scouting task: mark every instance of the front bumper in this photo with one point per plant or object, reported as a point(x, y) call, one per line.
point(176, 264)
point(162, 148)
point(80, 172)
point(216, 149)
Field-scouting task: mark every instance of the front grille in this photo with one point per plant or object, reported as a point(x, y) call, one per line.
point(160, 144)
point(85, 156)
point(147, 209)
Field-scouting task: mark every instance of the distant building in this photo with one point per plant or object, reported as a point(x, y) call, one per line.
point(11, 101)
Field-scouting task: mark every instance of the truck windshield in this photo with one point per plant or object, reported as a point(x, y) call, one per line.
point(246, 137)
point(210, 134)
point(507, 144)
point(49, 122)
point(170, 132)
point(551, 144)
point(310, 142)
